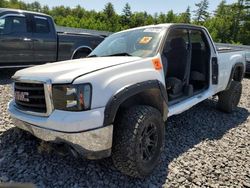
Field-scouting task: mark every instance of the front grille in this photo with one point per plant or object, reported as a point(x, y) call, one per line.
point(30, 97)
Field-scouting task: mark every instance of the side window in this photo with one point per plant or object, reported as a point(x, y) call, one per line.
point(41, 25)
point(13, 24)
point(177, 38)
point(2, 25)
point(248, 57)
point(175, 54)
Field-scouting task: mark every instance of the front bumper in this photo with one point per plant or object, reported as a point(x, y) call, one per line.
point(93, 143)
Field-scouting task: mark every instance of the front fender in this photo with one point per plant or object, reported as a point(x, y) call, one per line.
point(130, 91)
point(109, 81)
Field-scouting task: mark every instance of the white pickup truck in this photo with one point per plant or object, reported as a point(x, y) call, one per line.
point(115, 102)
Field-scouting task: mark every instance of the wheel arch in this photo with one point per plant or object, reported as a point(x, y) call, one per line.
point(237, 73)
point(83, 49)
point(152, 93)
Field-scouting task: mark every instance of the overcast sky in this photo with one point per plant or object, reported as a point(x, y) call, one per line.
point(150, 6)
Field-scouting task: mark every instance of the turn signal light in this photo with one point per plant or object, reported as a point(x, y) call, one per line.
point(157, 63)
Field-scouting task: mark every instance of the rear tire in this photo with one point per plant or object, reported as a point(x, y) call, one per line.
point(229, 99)
point(138, 141)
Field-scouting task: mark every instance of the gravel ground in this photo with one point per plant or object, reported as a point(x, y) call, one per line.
point(204, 148)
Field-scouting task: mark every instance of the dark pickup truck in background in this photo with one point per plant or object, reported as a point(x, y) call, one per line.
point(29, 38)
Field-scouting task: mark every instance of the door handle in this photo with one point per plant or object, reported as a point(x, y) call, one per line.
point(27, 39)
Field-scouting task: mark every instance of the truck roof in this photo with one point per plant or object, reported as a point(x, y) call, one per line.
point(165, 25)
point(22, 11)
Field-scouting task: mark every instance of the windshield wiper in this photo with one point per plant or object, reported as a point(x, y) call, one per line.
point(120, 54)
point(92, 55)
point(117, 54)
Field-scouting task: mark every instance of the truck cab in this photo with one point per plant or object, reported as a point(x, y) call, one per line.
point(116, 101)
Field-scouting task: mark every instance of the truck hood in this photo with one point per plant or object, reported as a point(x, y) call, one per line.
point(67, 71)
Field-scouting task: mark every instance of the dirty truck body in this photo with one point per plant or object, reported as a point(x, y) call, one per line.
point(115, 102)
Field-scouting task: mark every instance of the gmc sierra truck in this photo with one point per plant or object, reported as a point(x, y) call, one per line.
point(115, 102)
point(29, 38)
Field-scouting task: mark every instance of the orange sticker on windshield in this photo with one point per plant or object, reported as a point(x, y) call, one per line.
point(145, 40)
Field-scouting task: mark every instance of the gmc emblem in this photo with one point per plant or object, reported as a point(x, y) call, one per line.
point(22, 96)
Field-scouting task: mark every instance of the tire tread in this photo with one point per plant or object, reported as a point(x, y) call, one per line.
point(225, 97)
point(123, 154)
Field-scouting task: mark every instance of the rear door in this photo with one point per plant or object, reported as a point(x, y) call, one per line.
point(44, 39)
point(16, 46)
point(204, 53)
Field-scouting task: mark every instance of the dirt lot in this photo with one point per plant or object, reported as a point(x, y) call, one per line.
point(204, 148)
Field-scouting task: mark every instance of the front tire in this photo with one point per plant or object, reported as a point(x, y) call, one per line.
point(138, 141)
point(229, 99)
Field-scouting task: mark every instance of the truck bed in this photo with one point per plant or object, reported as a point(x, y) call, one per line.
point(227, 47)
point(227, 50)
point(71, 30)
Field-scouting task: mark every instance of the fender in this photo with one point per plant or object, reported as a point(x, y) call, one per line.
point(130, 91)
point(238, 68)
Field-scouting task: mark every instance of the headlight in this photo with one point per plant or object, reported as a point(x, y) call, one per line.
point(72, 97)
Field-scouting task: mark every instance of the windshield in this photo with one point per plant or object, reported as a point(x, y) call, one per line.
point(140, 43)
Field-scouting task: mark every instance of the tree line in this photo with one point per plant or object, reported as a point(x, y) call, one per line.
point(229, 23)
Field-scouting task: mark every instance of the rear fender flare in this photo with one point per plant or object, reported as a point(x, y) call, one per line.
point(237, 73)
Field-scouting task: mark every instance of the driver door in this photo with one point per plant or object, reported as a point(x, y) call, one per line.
point(16, 45)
